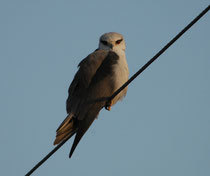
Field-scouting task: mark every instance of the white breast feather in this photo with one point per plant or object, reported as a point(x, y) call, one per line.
point(121, 74)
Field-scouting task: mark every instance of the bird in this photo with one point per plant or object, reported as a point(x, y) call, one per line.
point(99, 75)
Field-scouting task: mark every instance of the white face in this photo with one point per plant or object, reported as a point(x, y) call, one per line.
point(112, 41)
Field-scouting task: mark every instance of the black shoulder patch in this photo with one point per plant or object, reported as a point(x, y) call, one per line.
point(106, 67)
point(96, 57)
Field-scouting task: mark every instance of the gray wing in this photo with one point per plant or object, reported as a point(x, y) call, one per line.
point(92, 84)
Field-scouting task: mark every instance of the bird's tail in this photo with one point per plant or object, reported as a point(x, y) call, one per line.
point(83, 126)
point(66, 129)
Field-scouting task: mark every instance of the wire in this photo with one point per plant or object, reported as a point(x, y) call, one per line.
point(159, 53)
point(128, 82)
point(49, 155)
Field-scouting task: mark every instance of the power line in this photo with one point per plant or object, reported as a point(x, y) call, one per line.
point(49, 155)
point(128, 82)
point(160, 52)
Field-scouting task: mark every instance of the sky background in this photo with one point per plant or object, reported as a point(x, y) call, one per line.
point(161, 128)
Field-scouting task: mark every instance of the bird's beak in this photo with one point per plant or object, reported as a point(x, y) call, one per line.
point(111, 46)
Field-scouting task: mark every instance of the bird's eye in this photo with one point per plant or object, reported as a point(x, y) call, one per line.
point(104, 42)
point(118, 41)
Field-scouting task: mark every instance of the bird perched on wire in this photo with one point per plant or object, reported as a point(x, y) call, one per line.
point(99, 75)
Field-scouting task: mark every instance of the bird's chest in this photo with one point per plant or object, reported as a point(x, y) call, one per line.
point(120, 72)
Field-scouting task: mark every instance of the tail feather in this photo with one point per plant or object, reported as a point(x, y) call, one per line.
point(72, 125)
point(83, 126)
point(67, 128)
point(66, 120)
point(61, 138)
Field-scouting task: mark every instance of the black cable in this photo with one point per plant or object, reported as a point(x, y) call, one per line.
point(128, 82)
point(49, 155)
point(159, 53)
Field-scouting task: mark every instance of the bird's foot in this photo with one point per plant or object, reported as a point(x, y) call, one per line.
point(108, 105)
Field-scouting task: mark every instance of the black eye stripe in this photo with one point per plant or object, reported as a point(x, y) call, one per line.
point(104, 42)
point(118, 41)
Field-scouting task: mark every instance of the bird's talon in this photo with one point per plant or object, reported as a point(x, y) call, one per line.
point(108, 105)
point(108, 108)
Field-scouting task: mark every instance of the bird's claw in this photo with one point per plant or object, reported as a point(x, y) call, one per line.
point(108, 105)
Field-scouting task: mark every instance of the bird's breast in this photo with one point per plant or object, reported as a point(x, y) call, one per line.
point(120, 75)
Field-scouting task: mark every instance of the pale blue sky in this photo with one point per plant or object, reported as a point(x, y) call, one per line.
point(162, 128)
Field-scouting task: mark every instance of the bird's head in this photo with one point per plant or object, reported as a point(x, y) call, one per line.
point(112, 41)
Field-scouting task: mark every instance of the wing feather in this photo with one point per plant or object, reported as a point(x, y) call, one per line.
point(92, 84)
point(79, 86)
